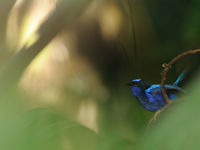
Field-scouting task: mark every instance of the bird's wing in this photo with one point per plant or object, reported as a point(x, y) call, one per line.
point(156, 89)
point(154, 93)
point(173, 89)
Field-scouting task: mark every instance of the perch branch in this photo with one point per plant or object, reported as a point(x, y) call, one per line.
point(168, 66)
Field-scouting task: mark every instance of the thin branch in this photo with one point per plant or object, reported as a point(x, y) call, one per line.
point(131, 11)
point(168, 66)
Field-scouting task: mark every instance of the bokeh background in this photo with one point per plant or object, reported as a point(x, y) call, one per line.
point(65, 64)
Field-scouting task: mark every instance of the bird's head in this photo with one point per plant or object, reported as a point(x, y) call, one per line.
point(140, 83)
point(138, 86)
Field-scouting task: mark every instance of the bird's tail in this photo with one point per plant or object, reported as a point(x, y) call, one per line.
point(180, 78)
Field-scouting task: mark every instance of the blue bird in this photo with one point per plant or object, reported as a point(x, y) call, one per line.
point(150, 96)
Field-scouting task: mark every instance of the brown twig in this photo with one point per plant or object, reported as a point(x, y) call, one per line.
point(168, 66)
point(163, 78)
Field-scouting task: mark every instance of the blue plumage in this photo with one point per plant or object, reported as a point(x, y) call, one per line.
point(150, 96)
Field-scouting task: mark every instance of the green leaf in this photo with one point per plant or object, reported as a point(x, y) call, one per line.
point(178, 128)
point(42, 129)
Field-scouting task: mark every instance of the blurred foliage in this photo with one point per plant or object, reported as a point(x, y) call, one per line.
point(64, 65)
point(178, 128)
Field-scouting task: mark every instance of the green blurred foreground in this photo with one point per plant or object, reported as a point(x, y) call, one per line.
point(64, 65)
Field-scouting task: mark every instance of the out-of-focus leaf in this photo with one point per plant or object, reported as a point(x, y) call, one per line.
point(42, 129)
point(65, 15)
point(114, 142)
point(178, 129)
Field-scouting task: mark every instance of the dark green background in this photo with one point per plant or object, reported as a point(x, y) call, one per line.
point(152, 33)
